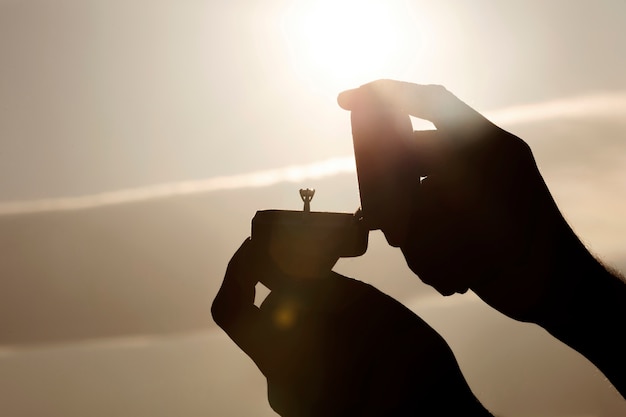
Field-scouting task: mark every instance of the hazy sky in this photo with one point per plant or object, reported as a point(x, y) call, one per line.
point(110, 101)
point(102, 95)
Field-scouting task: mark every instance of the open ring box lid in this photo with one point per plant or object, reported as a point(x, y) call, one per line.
point(308, 243)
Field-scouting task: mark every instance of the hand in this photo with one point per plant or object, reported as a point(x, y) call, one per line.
point(336, 346)
point(483, 217)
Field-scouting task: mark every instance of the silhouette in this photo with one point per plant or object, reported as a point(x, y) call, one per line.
point(306, 244)
point(334, 346)
point(485, 205)
point(469, 209)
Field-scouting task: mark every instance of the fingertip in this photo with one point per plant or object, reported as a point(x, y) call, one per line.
point(346, 99)
point(371, 93)
point(244, 248)
point(240, 259)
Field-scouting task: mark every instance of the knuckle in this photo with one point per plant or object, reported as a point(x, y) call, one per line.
point(519, 149)
point(217, 312)
point(438, 93)
point(438, 89)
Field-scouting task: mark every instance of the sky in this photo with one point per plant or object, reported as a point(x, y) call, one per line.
point(138, 138)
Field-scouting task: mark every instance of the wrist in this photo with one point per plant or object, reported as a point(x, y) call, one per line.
point(570, 275)
point(584, 306)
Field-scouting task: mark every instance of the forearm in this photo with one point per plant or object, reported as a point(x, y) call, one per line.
point(586, 309)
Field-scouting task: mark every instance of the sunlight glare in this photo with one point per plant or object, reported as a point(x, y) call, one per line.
point(337, 44)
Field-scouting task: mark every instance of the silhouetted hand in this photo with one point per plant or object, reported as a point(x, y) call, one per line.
point(335, 346)
point(483, 219)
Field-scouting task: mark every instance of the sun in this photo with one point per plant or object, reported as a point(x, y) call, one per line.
point(337, 44)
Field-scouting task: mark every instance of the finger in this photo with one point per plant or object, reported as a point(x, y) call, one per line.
point(233, 308)
point(237, 291)
point(429, 102)
point(433, 157)
point(242, 270)
point(430, 151)
point(251, 264)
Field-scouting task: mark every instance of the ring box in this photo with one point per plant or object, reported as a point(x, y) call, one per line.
point(308, 244)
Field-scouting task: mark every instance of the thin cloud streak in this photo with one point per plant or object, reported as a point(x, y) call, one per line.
point(138, 341)
point(594, 105)
point(141, 341)
point(294, 173)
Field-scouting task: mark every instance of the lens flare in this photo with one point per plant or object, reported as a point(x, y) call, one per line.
point(285, 316)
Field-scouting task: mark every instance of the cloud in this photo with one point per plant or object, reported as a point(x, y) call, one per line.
point(264, 178)
point(593, 105)
point(136, 341)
